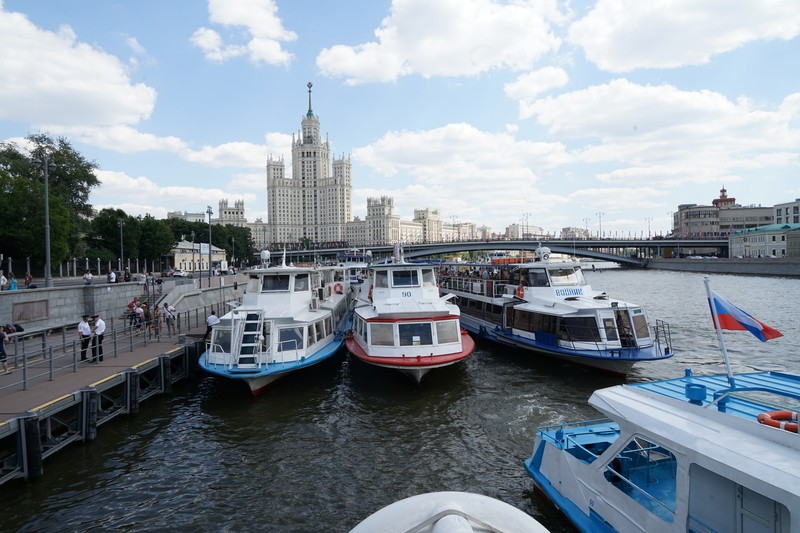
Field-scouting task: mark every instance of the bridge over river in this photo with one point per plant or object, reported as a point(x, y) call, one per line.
point(628, 252)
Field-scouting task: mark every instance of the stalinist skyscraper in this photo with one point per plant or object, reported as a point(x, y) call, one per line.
point(316, 202)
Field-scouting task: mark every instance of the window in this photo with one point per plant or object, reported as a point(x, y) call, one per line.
point(447, 331)
point(428, 278)
point(290, 339)
point(611, 329)
point(640, 324)
point(405, 278)
point(415, 334)
point(381, 334)
point(301, 283)
point(579, 329)
point(221, 340)
point(645, 471)
point(381, 279)
point(275, 283)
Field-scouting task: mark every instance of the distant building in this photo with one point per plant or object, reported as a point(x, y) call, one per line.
point(719, 219)
point(233, 216)
point(773, 240)
point(788, 213)
point(193, 256)
point(188, 217)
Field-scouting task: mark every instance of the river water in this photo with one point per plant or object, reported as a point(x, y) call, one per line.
point(323, 449)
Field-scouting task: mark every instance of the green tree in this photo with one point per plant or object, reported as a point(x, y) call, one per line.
point(156, 239)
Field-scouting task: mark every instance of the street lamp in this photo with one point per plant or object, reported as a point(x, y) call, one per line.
point(233, 252)
point(648, 219)
point(121, 223)
point(193, 268)
point(209, 212)
point(600, 219)
point(46, 165)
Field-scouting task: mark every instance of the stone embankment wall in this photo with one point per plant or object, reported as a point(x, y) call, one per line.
point(59, 306)
point(786, 267)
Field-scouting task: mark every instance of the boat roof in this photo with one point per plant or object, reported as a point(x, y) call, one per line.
point(733, 438)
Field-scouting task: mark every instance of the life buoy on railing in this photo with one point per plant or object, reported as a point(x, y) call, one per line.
point(338, 287)
point(780, 420)
point(520, 291)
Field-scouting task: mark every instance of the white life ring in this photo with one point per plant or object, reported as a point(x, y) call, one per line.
point(338, 287)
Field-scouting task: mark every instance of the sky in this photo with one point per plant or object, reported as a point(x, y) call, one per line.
point(603, 114)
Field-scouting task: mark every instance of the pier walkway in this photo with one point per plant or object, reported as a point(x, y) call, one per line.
point(42, 376)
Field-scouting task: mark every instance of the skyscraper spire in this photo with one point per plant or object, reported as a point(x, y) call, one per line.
point(310, 113)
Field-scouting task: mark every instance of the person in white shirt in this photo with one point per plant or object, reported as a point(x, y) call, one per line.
point(112, 276)
point(169, 315)
point(97, 340)
point(87, 278)
point(211, 320)
point(85, 334)
point(3, 282)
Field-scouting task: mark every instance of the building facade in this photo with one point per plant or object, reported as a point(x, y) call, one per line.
point(773, 240)
point(719, 219)
point(314, 205)
point(788, 213)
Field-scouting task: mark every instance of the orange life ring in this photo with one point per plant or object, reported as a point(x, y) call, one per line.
point(369, 295)
point(520, 292)
point(780, 420)
point(337, 288)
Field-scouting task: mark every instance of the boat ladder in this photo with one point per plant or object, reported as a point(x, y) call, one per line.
point(247, 328)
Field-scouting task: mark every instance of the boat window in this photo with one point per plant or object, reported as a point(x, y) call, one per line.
point(566, 276)
point(447, 331)
point(381, 279)
point(536, 322)
point(290, 339)
point(301, 282)
point(381, 334)
point(328, 327)
point(537, 277)
point(578, 329)
point(275, 283)
point(405, 278)
point(428, 277)
point(221, 340)
point(611, 329)
point(320, 330)
point(266, 344)
point(645, 471)
point(640, 324)
point(310, 334)
point(415, 334)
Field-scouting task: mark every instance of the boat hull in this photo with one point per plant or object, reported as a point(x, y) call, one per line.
point(414, 365)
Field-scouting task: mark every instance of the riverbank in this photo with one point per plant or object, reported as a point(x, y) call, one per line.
point(786, 267)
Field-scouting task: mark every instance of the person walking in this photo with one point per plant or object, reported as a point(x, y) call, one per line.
point(3, 356)
point(28, 280)
point(210, 321)
point(85, 334)
point(12, 281)
point(139, 319)
point(3, 282)
point(157, 317)
point(97, 340)
point(87, 277)
point(170, 316)
point(127, 274)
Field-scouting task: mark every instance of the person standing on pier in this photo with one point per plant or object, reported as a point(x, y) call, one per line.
point(3, 356)
point(169, 315)
point(97, 340)
point(85, 334)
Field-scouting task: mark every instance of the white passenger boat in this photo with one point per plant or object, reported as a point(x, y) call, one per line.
point(454, 512)
point(696, 453)
point(290, 318)
point(547, 307)
point(355, 263)
point(402, 322)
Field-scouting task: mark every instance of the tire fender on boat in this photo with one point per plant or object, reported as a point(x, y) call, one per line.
point(780, 420)
point(369, 294)
point(520, 292)
point(337, 288)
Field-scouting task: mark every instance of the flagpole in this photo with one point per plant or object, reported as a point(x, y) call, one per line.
point(719, 333)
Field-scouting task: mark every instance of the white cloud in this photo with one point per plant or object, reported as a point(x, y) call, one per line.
point(527, 87)
point(623, 35)
point(447, 38)
point(51, 77)
point(261, 24)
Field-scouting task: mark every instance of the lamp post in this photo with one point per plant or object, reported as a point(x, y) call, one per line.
point(121, 223)
point(46, 166)
point(209, 212)
point(192, 250)
point(600, 219)
point(233, 252)
point(648, 219)
point(586, 222)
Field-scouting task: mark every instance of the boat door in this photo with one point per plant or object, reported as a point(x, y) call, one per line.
point(625, 328)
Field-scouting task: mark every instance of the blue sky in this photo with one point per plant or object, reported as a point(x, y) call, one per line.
point(543, 112)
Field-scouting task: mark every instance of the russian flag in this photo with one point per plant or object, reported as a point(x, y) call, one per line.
point(732, 318)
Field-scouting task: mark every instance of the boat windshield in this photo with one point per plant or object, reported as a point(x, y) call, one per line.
point(301, 283)
point(428, 277)
point(566, 276)
point(275, 283)
point(405, 278)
